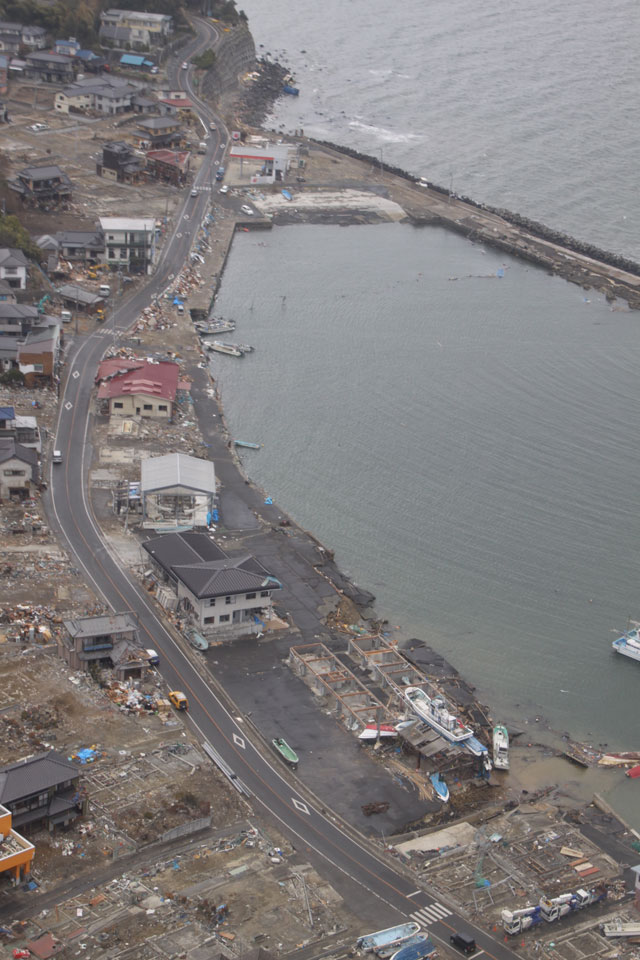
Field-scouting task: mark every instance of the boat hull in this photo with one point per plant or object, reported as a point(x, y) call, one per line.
point(389, 937)
point(425, 707)
point(627, 649)
point(500, 747)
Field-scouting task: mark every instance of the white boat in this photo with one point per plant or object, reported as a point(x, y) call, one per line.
point(372, 942)
point(500, 747)
point(206, 327)
point(434, 711)
point(629, 643)
point(370, 731)
point(229, 348)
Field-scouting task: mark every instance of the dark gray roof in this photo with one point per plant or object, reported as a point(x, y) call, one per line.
point(222, 577)
point(9, 449)
point(41, 772)
point(50, 172)
point(71, 291)
point(115, 32)
point(43, 57)
point(80, 238)
point(10, 257)
point(21, 310)
point(205, 569)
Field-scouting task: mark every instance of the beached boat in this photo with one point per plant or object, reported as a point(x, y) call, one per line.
point(434, 711)
point(634, 772)
point(229, 348)
point(370, 731)
point(629, 643)
point(440, 787)
point(248, 444)
point(500, 747)
point(415, 951)
point(386, 952)
point(288, 755)
point(627, 759)
point(207, 327)
point(387, 938)
point(286, 195)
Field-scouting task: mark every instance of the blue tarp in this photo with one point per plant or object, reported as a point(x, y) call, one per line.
point(130, 60)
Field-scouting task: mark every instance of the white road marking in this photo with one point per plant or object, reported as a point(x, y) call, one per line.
point(431, 914)
point(302, 807)
point(415, 893)
point(68, 405)
point(75, 374)
point(240, 741)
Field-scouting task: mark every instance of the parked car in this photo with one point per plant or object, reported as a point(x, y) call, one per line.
point(247, 209)
point(178, 699)
point(37, 127)
point(194, 193)
point(225, 188)
point(185, 65)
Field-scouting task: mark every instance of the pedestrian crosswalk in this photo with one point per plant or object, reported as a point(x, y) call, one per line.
point(431, 914)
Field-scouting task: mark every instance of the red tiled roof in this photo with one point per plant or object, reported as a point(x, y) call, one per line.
point(177, 101)
point(139, 376)
point(175, 157)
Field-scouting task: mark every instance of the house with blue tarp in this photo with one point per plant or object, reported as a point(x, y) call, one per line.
point(135, 61)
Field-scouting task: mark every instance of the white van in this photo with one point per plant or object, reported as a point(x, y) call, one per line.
point(57, 456)
point(65, 316)
point(104, 290)
point(152, 657)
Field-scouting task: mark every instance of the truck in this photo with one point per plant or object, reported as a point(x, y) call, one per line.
point(551, 909)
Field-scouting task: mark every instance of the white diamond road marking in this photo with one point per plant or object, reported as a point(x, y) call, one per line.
point(240, 741)
point(75, 374)
point(431, 914)
point(299, 805)
point(68, 405)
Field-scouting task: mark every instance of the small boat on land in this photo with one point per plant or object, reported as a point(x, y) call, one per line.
point(440, 787)
point(248, 444)
point(388, 938)
point(231, 349)
point(370, 731)
point(500, 747)
point(629, 643)
point(634, 772)
point(627, 759)
point(287, 195)
point(288, 755)
point(434, 711)
point(385, 952)
point(415, 951)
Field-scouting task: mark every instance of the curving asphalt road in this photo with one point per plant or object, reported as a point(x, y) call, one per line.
point(375, 891)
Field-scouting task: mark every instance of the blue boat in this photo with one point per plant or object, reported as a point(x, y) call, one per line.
point(385, 953)
point(286, 195)
point(292, 91)
point(440, 787)
point(391, 937)
point(475, 747)
point(417, 951)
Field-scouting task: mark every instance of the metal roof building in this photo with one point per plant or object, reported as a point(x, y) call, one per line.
point(178, 492)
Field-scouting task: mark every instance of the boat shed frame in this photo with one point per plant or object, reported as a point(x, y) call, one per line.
point(178, 492)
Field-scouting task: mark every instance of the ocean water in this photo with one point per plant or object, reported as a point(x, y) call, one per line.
point(467, 446)
point(530, 106)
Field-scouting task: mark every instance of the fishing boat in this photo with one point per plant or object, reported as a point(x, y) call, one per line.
point(388, 938)
point(248, 444)
point(440, 787)
point(629, 758)
point(244, 347)
point(415, 951)
point(434, 711)
point(634, 772)
point(500, 747)
point(206, 327)
point(629, 643)
point(288, 755)
point(286, 195)
point(385, 952)
point(229, 348)
point(370, 731)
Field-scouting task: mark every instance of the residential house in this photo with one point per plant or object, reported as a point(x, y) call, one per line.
point(77, 298)
point(42, 186)
point(49, 67)
point(171, 166)
point(106, 640)
point(132, 61)
point(144, 104)
point(67, 47)
point(232, 595)
point(44, 789)
point(34, 37)
point(23, 430)
point(130, 243)
point(173, 106)
point(104, 94)
point(10, 37)
point(90, 61)
point(4, 87)
point(39, 354)
point(156, 132)
point(115, 36)
point(86, 246)
point(19, 473)
point(16, 319)
point(138, 388)
point(178, 491)
point(120, 162)
point(9, 354)
point(145, 29)
point(13, 267)
point(6, 293)
point(16, 853)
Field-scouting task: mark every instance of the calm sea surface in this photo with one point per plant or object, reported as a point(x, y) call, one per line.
point(468, 447)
